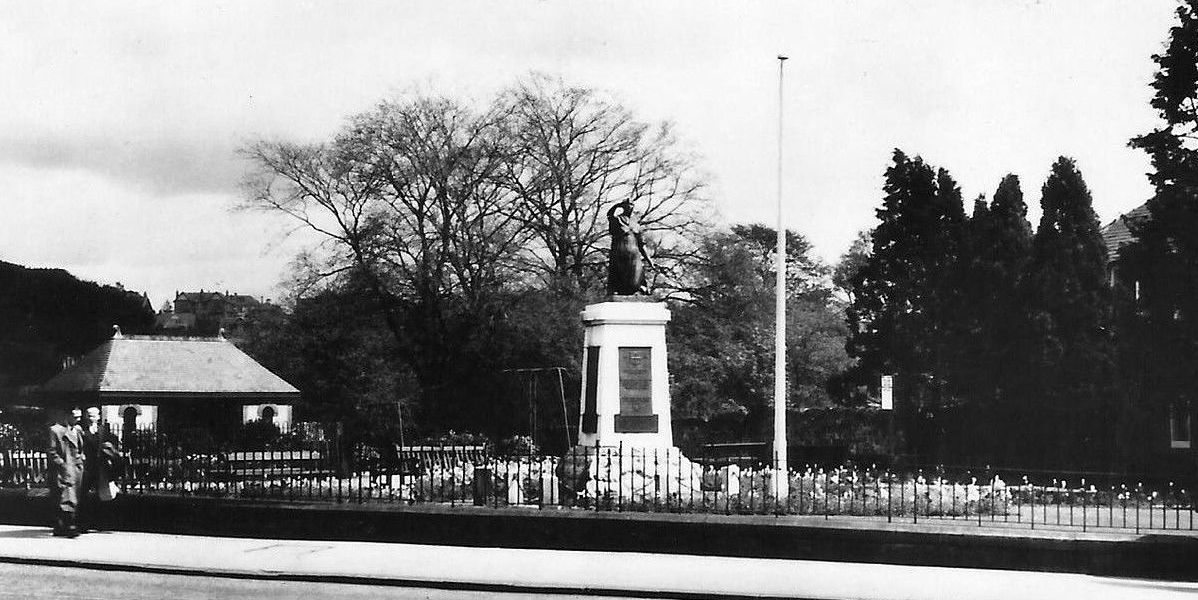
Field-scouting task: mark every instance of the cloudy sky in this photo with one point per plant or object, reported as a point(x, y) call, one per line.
point(119, 122)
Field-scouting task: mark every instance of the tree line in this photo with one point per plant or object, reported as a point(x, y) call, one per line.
point(460, 240)
point(48, 314)
point(1157, 316)
point(1021, 348)
point(1000, 338)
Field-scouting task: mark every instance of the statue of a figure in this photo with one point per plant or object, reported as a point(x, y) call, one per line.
point(625, 271)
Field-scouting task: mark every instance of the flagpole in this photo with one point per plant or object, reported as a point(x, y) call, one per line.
point(781, 472)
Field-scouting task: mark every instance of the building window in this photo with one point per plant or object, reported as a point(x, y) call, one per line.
point(1180, 433)
point(128, 421)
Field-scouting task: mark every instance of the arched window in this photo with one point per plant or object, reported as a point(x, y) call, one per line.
point(128, 421)
point(268, 414)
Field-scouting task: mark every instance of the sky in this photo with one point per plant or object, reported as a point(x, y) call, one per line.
point(120, 121)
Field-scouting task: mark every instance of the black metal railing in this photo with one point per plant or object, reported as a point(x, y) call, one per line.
point(621, 478)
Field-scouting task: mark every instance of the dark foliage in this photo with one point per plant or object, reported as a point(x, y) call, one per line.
point(1158, 282)
point(1071, 358)
point(722, 336)
point(1000, 342)
point(47, 315)
point(905, 298)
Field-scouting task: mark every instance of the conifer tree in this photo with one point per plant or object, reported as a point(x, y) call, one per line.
point(998, 246)
point(1070, 362)
point(1004, 245)
point(1159, 269)
point(903, 298)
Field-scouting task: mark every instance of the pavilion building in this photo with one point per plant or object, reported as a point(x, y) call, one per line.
point(165, 383)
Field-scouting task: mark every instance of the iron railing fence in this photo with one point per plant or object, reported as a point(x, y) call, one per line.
point(22, 467)
point(622, 478)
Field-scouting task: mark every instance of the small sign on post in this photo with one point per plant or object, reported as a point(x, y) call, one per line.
point(887, 392)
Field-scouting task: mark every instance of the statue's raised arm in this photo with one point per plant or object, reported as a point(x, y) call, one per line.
point(625, 271)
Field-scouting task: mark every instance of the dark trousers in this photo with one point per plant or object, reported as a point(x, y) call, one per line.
point(93, 513)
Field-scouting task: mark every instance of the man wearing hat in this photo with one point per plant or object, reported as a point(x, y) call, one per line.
point(65, 455)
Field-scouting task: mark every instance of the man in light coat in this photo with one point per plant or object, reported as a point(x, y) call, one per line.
point(65, 455)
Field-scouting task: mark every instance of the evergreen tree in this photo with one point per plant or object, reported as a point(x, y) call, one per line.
point(997, 249)
point(905, 296)
point(1159, 339)
point(1070, 362)
point(1004, 241)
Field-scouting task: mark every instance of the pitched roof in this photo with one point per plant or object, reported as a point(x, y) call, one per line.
point(1117, 233)
point(168, 366)
point(200, 295)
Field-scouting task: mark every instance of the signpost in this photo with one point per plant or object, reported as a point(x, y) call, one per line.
point(888, 406)
point(888, 392)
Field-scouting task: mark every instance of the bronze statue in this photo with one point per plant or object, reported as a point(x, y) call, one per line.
point(625, 271)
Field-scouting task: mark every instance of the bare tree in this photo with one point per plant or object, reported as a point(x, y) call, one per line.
point(445, 212)
point(447, 225)
point(576, 153)
point(405, 197)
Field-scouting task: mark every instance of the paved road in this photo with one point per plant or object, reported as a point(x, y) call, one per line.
point(62, 583)
point(425, 570)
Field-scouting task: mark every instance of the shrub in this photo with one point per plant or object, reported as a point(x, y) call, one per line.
point(10, 437)
point(516, 446)
point(258, 434)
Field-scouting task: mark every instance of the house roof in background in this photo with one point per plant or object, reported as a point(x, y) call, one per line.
point(1117, 233)
point(166, 366)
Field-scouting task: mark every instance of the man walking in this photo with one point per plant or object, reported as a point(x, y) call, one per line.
point(100, 454)
point(66, 470)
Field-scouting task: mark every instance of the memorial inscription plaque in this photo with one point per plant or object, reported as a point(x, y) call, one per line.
point(636, 391)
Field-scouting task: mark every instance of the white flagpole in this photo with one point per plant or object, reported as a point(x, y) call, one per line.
point(781, 472)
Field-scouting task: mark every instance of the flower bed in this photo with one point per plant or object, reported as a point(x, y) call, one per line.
point(641, 480)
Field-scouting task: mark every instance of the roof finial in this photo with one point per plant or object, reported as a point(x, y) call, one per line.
point(116, 332)
point(221, 333)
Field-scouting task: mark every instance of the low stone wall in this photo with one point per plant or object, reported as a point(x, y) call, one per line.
point(1154, 556)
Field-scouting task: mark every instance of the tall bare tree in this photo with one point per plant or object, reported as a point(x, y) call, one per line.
point(407, 198)
point(445, 213)
point(577, 153)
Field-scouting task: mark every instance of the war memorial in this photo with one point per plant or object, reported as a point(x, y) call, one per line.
point(625, 439)
point(521, 336)
point(625, 485)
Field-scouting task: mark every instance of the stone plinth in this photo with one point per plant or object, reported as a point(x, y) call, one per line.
point(625, 385)
point(626, 449)
point(627, 475)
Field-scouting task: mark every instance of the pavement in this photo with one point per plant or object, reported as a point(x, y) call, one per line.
point(551, 571)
